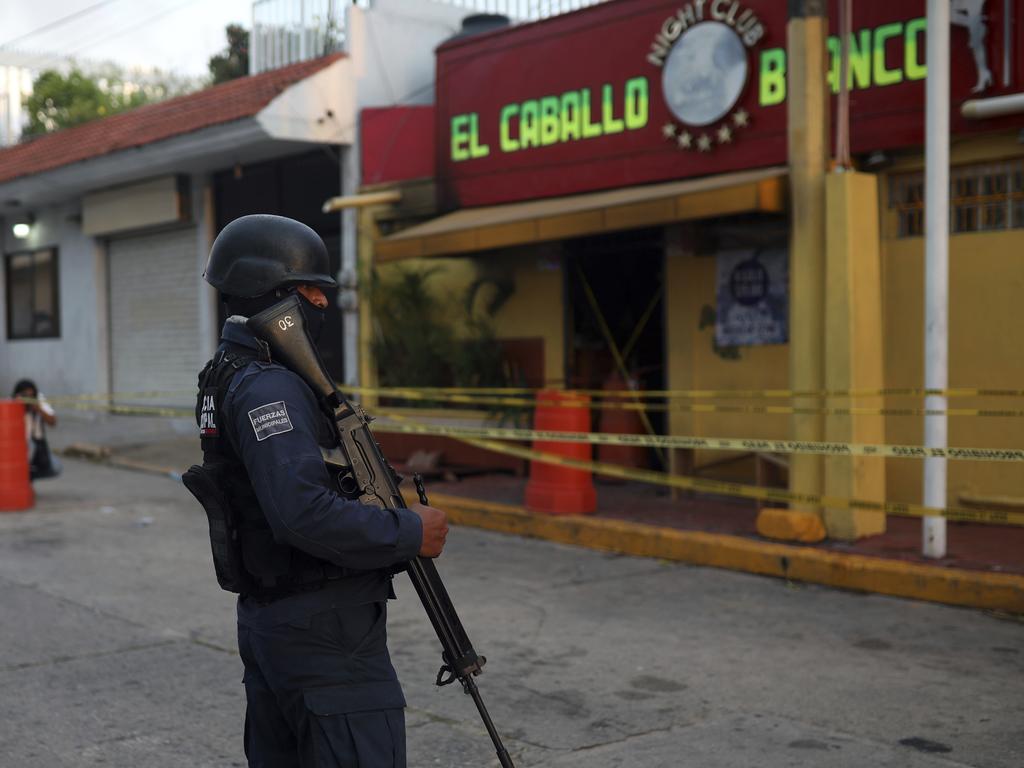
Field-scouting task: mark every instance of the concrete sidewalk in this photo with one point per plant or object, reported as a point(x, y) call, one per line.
point(118, 649)
point(985, 568)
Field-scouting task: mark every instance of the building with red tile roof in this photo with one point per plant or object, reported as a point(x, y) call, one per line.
point(223, 103)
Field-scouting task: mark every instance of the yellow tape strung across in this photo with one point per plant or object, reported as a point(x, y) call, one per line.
point(528, 396)
point(998, 517)
point(705, 443)
point(133, 410)
point(768, 410)
point(696, 393)
point(664, 441)
point(990, 516)
point(97, 396)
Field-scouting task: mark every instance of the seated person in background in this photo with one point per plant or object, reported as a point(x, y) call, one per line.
point(39, 414)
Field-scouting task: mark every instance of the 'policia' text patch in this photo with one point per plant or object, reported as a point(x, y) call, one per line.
point(270, 419)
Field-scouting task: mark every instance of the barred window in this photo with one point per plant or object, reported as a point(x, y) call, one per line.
point(982, 197)
point(33, 299)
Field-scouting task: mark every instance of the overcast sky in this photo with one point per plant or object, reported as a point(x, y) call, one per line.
point(178, 35)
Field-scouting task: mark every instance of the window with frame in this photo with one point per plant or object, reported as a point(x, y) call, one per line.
point(982, 198)
point(33, 297)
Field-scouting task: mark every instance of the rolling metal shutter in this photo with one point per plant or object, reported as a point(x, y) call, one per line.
point(154, 307)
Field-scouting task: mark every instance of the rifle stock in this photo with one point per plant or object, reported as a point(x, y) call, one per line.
point(367, 475)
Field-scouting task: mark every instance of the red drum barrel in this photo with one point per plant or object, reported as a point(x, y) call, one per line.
point(554, 489)
point(15, 488)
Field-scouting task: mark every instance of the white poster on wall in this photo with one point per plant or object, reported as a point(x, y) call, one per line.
point(753, 297)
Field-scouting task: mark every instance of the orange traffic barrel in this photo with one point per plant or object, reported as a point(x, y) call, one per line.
point(555, 489)
point(15, 488)
point(620, 421)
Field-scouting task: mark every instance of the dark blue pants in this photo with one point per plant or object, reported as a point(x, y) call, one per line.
point(321, 692)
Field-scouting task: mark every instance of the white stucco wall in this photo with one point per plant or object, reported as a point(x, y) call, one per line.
point(391, 60)
point(75, 362)
point(392, 49)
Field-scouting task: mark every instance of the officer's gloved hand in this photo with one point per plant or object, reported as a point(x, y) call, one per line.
point(435, 529)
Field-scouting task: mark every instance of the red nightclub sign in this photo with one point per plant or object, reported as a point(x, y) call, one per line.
point(639, 91)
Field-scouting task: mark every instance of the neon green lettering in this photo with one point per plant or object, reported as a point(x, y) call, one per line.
point(915, 68)
point(529, 124)
point(508, 144)
point(550, 122)
point(884, 75)
point(590, 130)
point(460, 138)
point(609, 122)
point(571, 115)
point(772, 89)
point(476, 149)
point(637, 103)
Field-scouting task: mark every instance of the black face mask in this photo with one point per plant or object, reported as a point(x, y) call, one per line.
point(313, 316)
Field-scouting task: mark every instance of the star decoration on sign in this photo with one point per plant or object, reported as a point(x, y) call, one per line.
point(716, 136)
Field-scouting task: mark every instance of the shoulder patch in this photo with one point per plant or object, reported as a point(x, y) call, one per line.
point(270, 419)
point(208, 414)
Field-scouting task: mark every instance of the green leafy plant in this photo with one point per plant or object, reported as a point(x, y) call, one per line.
point(423, 339)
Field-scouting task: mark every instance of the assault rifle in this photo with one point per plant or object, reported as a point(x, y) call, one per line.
point(365, 474)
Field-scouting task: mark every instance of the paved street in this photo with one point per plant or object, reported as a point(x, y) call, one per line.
point(117, 649)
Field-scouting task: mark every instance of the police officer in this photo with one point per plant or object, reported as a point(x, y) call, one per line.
point(319, 684)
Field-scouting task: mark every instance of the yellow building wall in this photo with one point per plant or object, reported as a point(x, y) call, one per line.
point(693, 363)
point(986, 339)
point(535, 308)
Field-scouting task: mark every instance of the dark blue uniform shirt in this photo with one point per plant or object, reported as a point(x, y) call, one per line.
point(274, 424)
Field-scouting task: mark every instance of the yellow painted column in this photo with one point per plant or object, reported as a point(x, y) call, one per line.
point(808, 139)
point(365, 237)
point(854, 353)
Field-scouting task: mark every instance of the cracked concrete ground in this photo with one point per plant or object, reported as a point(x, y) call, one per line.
point(117, 649)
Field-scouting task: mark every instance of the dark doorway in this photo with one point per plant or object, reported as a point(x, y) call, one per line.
point(624, 272)
point(296, 187)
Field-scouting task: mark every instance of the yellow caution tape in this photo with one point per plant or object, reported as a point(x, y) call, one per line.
point(763, 445)
point(764, 410)
point(133, 410)
point(695, 393)
point(964, 514)
point(997, 517)
point(705, 443)
point(95, 396)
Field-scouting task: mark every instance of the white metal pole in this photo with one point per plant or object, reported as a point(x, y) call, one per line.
point(936, 220)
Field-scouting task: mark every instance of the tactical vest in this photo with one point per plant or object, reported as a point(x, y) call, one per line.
point(246, 557)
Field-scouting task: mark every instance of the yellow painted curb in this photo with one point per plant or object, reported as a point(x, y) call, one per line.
point(977, 589)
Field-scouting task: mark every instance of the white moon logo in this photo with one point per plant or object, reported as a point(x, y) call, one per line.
point(704, 73)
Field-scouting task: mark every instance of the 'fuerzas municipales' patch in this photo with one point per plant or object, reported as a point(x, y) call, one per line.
point(270, 419)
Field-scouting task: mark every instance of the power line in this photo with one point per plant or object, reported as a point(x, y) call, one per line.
point(131, 27)
point(58, 22)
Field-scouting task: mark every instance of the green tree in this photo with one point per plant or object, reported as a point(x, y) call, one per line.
point(233, 61)
point(61, 101)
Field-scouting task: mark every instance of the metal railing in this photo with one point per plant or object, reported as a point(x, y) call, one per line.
point(288, 31)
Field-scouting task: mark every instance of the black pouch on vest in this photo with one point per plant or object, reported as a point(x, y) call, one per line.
point(224, 539)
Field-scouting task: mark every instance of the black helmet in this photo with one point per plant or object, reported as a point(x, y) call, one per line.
point(255, 254)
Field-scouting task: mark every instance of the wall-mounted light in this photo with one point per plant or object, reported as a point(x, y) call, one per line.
point(877, 160)
point(22, 228)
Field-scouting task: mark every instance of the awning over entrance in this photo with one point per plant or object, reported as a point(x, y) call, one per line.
point(499, 226)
